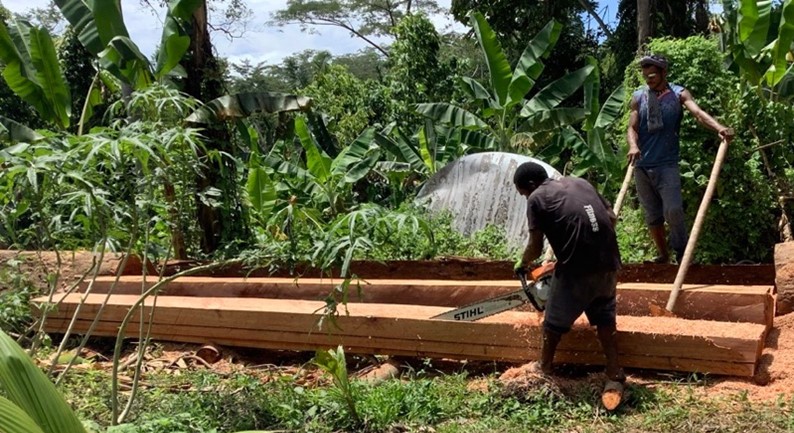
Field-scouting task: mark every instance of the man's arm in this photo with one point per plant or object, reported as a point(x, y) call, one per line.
point(534, 247)
point(704, 118)
point(632, 135)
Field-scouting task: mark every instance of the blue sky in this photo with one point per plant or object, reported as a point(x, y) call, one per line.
point(260, 42)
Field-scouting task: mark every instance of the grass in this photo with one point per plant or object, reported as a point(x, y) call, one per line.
point(203, 401)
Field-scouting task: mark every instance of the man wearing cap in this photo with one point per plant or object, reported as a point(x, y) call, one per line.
point(654, 124)
point(580, 227)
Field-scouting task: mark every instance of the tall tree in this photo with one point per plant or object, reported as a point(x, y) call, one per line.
point(643, 22)
point(364, 19)
point(415, 73)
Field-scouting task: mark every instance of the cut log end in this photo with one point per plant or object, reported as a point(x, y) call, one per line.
point(612, 395)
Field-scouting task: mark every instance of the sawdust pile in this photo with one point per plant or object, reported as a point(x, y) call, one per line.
point(527, 381)
point(775, 375)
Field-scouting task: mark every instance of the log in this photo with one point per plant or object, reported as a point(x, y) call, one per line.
point(462, 268)
point(655, 343)
point(784, 277)
point(612, 395)
point(753, 304)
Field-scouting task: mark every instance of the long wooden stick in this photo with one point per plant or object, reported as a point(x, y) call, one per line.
point(623, 189)
point(693, 236)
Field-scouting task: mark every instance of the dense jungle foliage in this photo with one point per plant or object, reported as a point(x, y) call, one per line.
point(327, 171)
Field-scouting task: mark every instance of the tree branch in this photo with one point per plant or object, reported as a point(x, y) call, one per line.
point(335, 23)
point(598, 19)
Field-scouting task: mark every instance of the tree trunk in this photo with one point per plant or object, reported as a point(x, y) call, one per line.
point(221, 220)
point(643, 23)
point(702, 17)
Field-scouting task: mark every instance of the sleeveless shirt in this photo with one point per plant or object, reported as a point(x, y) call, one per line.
point(661, 147)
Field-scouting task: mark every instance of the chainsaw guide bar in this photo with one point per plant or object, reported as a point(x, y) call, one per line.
point(534, 292)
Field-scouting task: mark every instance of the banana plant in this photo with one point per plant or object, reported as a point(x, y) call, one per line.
point(322, 180)
point(503, 107)
point(762, 53)
point(31, 403)
point(591, 149)
point(243, 105)
point(101, 29)
point(32, 70)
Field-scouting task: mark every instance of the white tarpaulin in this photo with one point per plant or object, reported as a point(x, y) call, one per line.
point(478, 190)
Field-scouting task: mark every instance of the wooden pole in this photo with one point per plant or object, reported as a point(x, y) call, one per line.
point(623, 189)
point(693, 236)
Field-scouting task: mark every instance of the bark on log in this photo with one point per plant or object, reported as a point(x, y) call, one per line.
point(784, 277)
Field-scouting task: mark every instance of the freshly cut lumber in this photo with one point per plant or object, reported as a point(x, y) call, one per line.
point(753, 304)
point(394, 329)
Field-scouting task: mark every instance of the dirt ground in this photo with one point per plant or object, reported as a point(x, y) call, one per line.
point(775, 374)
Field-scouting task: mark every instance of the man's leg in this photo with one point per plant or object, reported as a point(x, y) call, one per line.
point(602, 313)
point(550, 341)
point(659, 236)
point(673, 208)
point(562, 309)
point(607, 335)
point(645, 181)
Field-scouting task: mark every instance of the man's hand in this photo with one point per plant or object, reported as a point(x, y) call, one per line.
point(520, 269)
point(634, 154)
point(726, 134)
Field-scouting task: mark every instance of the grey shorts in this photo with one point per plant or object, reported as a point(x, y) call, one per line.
point(572, 295)
point(659, 191)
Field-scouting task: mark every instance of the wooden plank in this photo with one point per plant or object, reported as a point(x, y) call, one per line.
point(319, 341)
point(400, 328)
point(399, 321)
point(752, 304)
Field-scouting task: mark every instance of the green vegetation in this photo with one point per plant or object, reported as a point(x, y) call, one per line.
point(426, 398)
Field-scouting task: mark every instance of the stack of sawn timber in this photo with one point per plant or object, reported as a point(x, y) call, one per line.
point(719, 329)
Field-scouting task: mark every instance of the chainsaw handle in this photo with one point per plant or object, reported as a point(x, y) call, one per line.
point(525, 287)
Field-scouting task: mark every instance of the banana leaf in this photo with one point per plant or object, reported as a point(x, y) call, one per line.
point(175, 40)
point(477, 91)
point(349, 161)
point(529, 65)
point(96, 22)
point(401, 148)
point(13, 131)
point(242, 105)
point(498, 66)
point(779, 66)
point(32, 70)
point(557, 91)
point(318, 163)
point(261, 192)
point(124, 60)
point(453, 115)
point(551, 119)
point(753, 25)
point(27, 387)
point(15, 420)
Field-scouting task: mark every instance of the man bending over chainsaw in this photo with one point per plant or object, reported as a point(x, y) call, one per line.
point(580, 227)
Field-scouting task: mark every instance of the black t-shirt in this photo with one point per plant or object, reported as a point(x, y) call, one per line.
point(576, 221)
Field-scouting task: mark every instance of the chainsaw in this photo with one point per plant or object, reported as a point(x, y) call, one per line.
point(536, 292)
